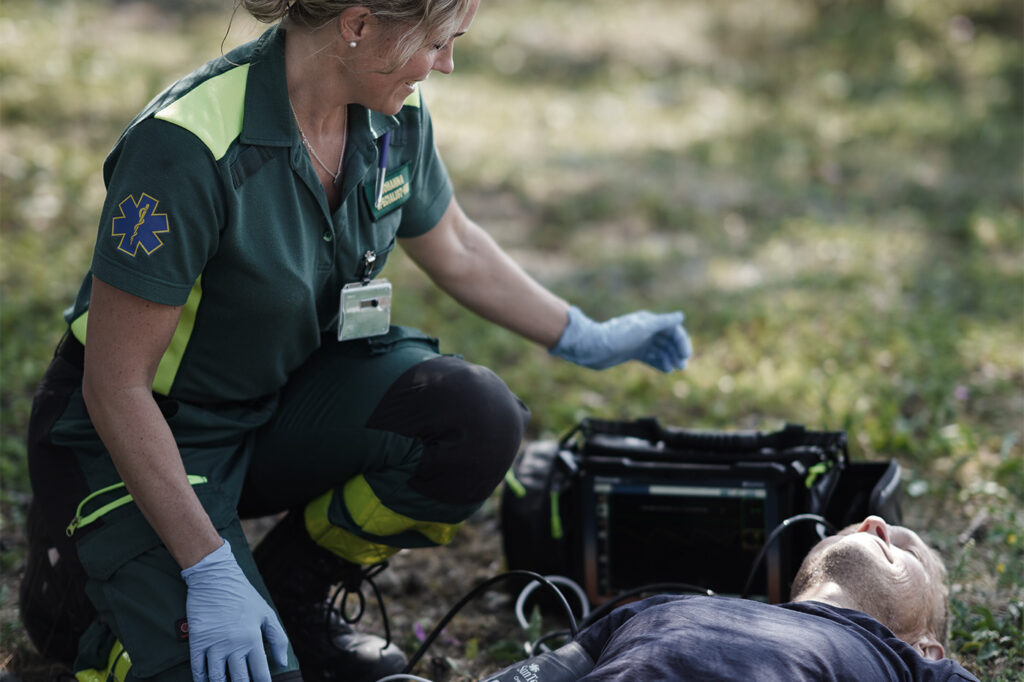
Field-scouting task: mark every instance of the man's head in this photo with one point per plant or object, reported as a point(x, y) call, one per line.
point(887, 572)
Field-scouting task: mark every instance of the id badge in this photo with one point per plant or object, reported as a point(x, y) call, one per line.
point(365, 310)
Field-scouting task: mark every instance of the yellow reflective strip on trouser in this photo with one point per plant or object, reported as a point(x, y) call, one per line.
point(372, 516)
point(118, 665)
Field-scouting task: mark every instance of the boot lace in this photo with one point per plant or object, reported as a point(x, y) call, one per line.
point(348, 602)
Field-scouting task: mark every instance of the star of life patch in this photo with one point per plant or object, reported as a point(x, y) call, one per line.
point(139, 225)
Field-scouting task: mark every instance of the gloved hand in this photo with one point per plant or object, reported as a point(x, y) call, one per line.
point(657, 339)
point(226, 616)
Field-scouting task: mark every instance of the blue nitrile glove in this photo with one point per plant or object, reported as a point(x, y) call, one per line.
point(226, 616)
point(655, 338)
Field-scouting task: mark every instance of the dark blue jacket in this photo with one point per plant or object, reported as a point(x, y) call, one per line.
point(720, 638)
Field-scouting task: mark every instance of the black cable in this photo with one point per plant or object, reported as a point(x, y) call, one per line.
point(573, 627)
point(609, 605)
point(786, 523)
point(383, 614)
point(545, 637)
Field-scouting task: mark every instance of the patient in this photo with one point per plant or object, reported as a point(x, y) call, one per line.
point(869, 604)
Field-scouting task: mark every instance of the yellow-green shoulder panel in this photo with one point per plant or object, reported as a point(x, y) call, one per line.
point(213, 110)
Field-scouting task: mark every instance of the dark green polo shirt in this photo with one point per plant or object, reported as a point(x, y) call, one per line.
point(213, 204)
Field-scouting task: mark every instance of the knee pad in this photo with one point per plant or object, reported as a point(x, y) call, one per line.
point(468, 420)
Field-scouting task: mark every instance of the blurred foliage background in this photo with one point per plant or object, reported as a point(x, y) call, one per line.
point(830, 189)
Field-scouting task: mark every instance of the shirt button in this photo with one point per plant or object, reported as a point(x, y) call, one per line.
point(327, 236)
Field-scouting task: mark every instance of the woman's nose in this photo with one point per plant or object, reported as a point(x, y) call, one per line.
point(877, 526)
point(445, 61)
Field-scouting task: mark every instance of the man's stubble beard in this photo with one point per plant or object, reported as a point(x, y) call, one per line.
point(854, 568)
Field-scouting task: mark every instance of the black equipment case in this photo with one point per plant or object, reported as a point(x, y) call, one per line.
point(616, 505)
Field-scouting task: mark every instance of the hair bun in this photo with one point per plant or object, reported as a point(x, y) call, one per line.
point(267, 11)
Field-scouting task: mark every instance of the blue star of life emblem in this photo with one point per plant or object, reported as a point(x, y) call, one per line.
point(139, 225)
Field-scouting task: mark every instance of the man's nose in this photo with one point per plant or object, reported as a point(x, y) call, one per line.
point(877, 526)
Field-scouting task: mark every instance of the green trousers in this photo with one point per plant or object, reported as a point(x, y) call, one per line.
point(385, 443)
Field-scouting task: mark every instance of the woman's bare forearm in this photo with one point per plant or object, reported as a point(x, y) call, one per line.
point(464, 261)
point(144, 451)
point(126, 337)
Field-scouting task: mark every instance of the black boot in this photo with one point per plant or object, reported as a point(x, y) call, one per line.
point(299, 575)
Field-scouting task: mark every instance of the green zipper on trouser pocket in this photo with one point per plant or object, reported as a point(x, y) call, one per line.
point(80, 520)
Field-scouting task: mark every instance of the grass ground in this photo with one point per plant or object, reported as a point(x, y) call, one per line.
point(830, 190)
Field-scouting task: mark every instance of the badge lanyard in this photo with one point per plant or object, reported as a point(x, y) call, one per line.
point(365, 306)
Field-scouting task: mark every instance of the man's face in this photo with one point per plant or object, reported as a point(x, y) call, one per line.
point(893, 574)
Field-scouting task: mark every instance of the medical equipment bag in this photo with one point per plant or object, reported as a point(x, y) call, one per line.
point(617, 505)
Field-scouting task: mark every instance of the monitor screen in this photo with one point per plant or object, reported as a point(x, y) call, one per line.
point(706, 535)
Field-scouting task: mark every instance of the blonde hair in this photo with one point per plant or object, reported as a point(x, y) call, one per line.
point(423, 20)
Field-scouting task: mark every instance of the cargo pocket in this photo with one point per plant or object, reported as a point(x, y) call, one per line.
point(136, 585)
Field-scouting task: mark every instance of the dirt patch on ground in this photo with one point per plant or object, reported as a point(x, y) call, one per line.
point(421, 586)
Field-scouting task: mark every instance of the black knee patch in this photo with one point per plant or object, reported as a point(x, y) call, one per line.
point(468, 420)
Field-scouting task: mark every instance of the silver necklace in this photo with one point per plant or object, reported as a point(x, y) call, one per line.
point(305, 140)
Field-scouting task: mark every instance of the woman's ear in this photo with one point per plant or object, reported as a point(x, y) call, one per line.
point(929, 648)
point(353, 23)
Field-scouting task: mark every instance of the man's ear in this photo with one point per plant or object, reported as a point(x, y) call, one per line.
point(930, 648)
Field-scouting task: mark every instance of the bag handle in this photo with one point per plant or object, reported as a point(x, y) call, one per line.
point(650, 430)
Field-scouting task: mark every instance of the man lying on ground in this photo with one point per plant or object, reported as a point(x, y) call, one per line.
point(869, 603)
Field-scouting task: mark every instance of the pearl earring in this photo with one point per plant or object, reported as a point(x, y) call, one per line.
point(352, 43)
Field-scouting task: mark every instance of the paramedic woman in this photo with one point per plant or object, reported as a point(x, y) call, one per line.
point(208, 374)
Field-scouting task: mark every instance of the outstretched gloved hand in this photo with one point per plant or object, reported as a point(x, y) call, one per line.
point(657, 339)
point(227, 619)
